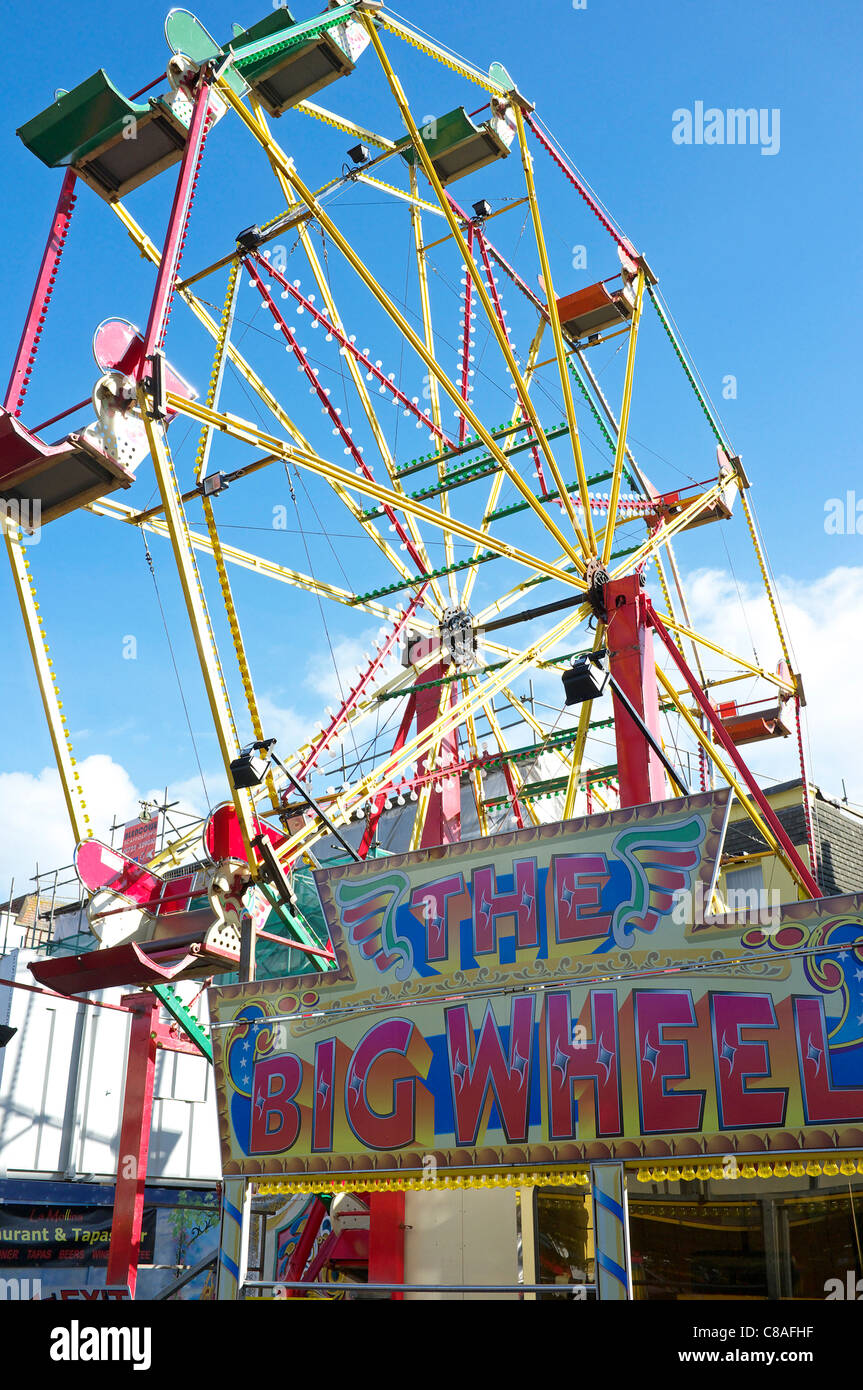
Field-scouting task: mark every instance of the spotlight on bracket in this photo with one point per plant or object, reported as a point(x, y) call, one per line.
point(482, 208)
point(585, 679)
point(250, 239)
point(248, 770)
point(359, 154)
point(214, 483)
point(6, 1034)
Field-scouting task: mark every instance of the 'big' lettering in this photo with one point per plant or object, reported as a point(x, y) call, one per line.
point(377, 1076)
point(489, 1068)
point(275, 1116)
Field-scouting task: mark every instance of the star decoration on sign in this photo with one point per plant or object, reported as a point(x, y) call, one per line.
point(355, 1085)
point(323, 1088)
point(726, 1053)
point(259, 1101)
point(519, 1064)
point(605, 1058)
point(560, 1061)
point(650, 1055)
point(459, 1068)
point(526, 899)
point(813, 1054)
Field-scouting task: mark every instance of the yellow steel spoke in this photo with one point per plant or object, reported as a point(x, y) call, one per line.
point(674, 626)
point(472, 269)
point(201, 459)
point(257, 564)
point(412, 197)
point(433, 50)
point(152, 253)
point(611, 524)
point(366, 137)
point(557, 333)
point(661, 533)
point(43, 665)
point(353, 367)
point(762, 564)
point(278, 157)
point(499, 476)
point(428, 333)
point(748, 805)
point(242, 429)
point(214, 680)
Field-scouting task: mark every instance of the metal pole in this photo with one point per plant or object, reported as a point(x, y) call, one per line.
point(611, 1231)
point(318, 810)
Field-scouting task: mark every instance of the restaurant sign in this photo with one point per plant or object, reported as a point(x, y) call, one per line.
point(554, 995)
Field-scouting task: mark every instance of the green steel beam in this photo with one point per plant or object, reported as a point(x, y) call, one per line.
point(472, 472)
point(472, 441)
point(170, 1000)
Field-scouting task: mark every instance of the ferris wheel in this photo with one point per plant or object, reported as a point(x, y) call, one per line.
point(359, 324)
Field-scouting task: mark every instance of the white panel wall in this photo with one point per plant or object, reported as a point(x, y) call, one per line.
point(61, 1115)
point(461, 1237)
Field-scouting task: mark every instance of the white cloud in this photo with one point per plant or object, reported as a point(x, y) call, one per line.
point(331, 675)
point(34, 823)
point(286, 725)
point(823, 618)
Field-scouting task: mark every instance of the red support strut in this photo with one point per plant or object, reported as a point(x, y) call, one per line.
point(134, 1142)
point(175, 241)
point(146, 1036)
point(43, 289)
point(723, 738)
point(443, 820)
point(629, 641)
point(387, 1239)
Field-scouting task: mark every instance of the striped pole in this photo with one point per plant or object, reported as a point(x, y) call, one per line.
point(610, 1231)
point(233, 1242)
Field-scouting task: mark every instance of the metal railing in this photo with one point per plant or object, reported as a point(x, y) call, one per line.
point(584, 1292)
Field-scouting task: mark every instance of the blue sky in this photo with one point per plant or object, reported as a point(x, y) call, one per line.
point(754, 254)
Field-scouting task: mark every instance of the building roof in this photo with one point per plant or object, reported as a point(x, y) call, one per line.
point(838, 832)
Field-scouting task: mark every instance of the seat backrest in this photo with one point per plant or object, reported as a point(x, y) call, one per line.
point(281, 18)
point(79, 121)
point(186, 34)
point(440, 134)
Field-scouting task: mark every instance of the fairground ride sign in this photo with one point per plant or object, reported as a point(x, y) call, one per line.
point(550, 996)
